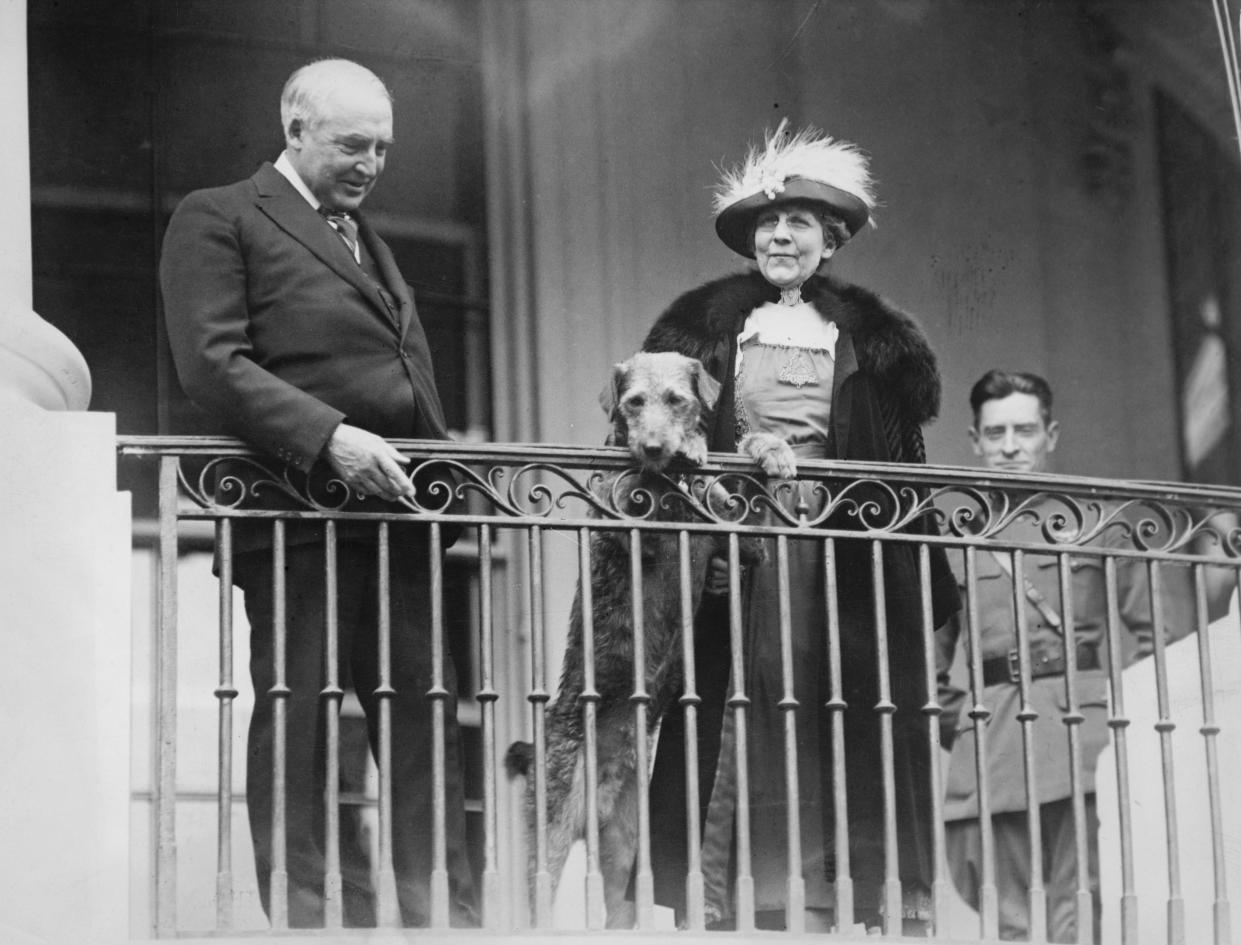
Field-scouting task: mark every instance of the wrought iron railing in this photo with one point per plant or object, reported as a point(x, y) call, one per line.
point(511, 500)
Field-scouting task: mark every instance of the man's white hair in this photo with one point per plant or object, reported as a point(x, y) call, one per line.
point(307, 90)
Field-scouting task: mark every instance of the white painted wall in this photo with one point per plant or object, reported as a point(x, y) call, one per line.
point(64, 794)
point(1191, 775)
point(64, 603)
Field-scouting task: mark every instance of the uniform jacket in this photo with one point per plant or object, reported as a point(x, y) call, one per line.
point(278, 333)
point(1048, 696)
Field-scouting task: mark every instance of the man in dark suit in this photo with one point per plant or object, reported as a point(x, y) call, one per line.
point(290, 323)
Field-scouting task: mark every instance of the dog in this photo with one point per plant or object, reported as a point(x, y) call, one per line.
point(658, 404)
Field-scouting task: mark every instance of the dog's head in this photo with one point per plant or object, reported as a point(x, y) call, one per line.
point(658, 403)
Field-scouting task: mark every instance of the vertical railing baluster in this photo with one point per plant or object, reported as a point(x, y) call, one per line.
point(440, 912)
point(487, 697)
point(1236, 581)
point(331, 695)
point(836, 706)
point(1073, 719)
point(387, 906)
point(644, 881)
point(695, 887)
point(739, 703)
point(941, 883)
point(590, 709)
point(226, 693)
point(1165, 726)
point(1119, 723)
point(1027, 718)
point(795, 907)
point(538, 699)
point(496, 910)
point(893, 912)
point(279, 694)
point(1210, 733)
point(989, 915)
point(166, 705)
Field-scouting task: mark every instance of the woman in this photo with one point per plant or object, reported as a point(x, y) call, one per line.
point(810, 368)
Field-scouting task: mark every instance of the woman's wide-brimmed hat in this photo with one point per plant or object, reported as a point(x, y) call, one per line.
point(808, 166)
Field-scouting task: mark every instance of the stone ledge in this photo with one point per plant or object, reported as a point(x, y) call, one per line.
point(566, 937)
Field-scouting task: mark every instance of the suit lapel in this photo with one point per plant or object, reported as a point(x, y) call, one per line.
point(393, 281)
point(288, 209)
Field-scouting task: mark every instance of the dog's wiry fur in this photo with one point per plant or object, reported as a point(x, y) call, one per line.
point(658, 404)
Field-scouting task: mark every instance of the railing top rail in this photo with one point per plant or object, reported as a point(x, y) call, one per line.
point(612, 458)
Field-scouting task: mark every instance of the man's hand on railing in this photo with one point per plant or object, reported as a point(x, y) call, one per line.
point(367, 463)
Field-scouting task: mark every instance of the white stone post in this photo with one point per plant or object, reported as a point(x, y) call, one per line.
point(64, 603)
point(16, 275)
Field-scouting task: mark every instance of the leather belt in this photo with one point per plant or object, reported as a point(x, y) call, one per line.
point(1006, 669)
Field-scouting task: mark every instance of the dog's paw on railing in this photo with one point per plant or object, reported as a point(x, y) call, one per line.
point(772, 453)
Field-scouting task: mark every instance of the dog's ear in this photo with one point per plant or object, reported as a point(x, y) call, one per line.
point(611, 392)
point(708, 387)
point(609, 397)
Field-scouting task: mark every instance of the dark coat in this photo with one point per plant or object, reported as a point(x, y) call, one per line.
point(280, 335)
point(886, 387)
point(887, 381)
point(886, 384)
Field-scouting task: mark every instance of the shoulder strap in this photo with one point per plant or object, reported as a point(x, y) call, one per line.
point(1033, 594)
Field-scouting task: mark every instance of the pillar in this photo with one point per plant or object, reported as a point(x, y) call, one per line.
point(64, 603)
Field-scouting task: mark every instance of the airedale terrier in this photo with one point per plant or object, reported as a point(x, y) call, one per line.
point(658, 405)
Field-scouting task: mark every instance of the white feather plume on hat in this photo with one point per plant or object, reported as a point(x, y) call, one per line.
point(810, 155)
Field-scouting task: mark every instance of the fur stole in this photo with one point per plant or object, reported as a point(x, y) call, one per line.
point(890, 345)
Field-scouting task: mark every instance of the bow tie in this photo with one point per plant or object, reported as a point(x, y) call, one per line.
point(345, 225)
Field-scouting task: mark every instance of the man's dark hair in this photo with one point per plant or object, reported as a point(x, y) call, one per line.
point(997, 384)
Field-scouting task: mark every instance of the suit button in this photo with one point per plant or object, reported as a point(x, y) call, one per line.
point(405, 355)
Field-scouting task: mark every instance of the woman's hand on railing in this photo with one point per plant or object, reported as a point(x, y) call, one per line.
point(716, 582)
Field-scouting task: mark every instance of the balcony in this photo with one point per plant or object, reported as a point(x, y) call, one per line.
point(529, 520)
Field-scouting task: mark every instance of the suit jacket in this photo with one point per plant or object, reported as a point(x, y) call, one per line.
point(997, 636)
point(279, 334)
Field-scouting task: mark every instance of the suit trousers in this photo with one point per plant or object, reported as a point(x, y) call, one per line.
point(305, 742)
point(1012, 867)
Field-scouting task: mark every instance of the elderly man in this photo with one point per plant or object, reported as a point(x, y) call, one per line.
point(290, 323)
point(1014, 431)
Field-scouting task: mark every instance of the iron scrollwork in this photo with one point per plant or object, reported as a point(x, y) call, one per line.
point(874, 502)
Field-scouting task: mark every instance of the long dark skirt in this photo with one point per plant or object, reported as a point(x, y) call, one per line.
point(766, 743)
